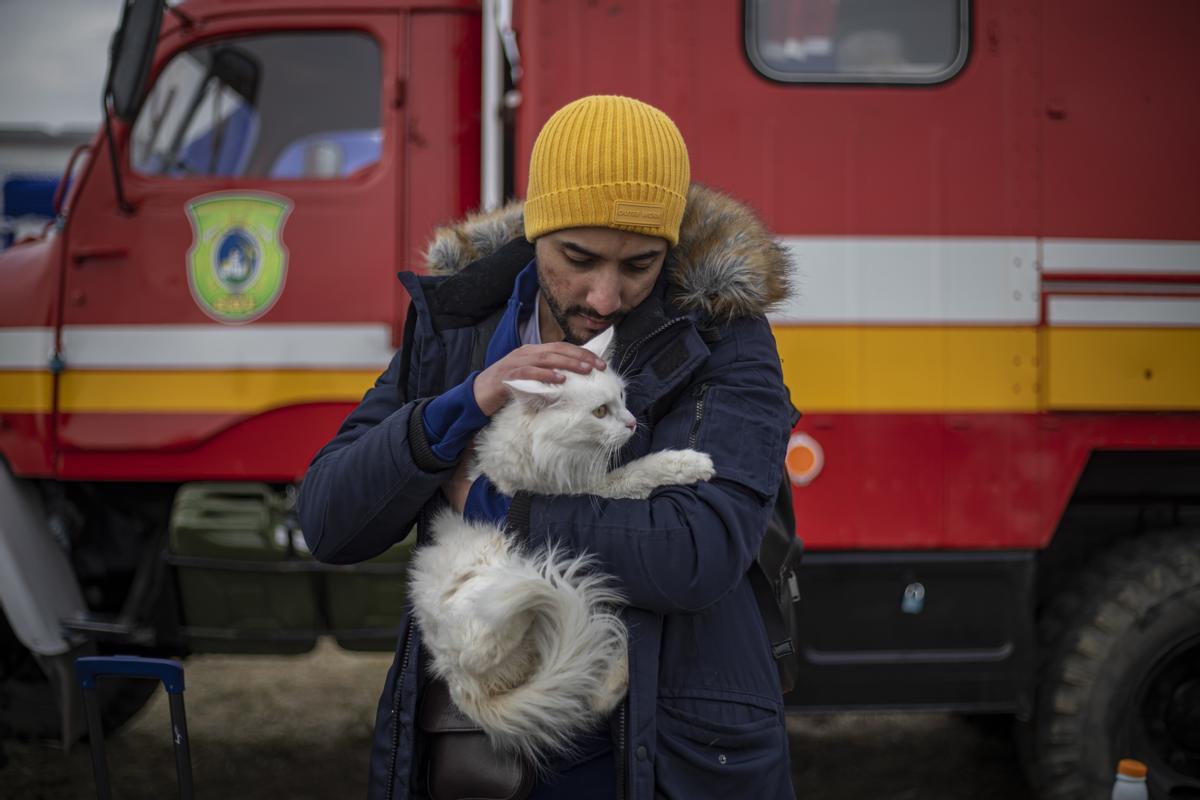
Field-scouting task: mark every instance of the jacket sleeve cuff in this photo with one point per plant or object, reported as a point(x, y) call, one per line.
point(422, 452)
point(451, 419)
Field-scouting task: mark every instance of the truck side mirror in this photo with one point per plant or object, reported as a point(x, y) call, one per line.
point(130, 55)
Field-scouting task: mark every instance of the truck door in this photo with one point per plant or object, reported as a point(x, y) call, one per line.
point(252, 286)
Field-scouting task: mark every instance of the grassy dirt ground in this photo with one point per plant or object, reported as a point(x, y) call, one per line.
point(300, 727)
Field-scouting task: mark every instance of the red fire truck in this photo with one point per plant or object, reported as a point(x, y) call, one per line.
point(993, 212)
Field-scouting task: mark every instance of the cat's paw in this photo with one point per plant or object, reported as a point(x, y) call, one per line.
point(687, 466)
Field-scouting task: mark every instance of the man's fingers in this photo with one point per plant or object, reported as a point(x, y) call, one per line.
point(537, 362)
point(540, 374)
point(565, 353)
point(556, 361)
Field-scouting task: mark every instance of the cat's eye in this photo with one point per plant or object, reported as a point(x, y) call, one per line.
point(600, 412)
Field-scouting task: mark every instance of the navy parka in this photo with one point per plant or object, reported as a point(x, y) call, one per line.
point(704, 715)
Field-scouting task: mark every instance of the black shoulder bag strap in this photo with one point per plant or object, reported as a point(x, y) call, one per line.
point(483, 337)
point(776, 583)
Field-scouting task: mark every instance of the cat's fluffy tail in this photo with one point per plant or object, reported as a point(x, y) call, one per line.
point(529, 644)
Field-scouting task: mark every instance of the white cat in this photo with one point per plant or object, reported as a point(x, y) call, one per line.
point(529, 643)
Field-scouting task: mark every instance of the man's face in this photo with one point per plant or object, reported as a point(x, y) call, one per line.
point(592, 277)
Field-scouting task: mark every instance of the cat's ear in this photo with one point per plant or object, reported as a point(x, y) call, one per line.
point(533, 393)
point(600, 345)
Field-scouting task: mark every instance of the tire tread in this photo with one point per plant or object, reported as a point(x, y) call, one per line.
point(1079, 630)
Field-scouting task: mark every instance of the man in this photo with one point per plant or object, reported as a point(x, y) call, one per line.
point(686, 276)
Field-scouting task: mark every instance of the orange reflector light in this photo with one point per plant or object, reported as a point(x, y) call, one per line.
point(805, 459)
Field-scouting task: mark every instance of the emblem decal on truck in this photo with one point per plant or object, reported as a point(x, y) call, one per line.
point(237, 263)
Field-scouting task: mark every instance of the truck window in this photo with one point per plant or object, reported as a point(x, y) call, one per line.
point(278, 106)
point(857, 41)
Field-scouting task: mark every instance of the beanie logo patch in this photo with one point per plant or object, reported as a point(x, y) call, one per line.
point(650, 215)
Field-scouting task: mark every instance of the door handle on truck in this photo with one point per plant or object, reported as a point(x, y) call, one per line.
point(83, 254)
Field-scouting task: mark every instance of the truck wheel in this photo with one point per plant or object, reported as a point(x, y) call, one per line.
point(28, 706)
point(1120, 673)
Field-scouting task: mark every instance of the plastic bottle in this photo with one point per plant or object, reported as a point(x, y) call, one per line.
point(1131, 781)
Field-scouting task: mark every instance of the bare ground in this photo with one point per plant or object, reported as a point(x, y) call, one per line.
point(300, 727)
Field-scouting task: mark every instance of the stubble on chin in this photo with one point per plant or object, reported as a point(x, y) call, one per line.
point(563, 317)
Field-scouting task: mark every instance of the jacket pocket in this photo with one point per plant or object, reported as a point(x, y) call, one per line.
point(711, 745)
point(744, 432)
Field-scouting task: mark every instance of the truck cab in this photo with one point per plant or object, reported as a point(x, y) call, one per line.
point(217, 292)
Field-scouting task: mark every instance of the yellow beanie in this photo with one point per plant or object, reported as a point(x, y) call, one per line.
point(610, 162)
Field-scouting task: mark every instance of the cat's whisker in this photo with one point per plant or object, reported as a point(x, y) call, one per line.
point(632, 380)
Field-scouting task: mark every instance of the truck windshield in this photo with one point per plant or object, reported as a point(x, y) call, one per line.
point(278, 106)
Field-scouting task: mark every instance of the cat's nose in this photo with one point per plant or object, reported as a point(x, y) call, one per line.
point(631, 423)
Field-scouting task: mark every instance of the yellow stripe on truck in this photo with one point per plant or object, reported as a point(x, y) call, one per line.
point(26, 392)
point(1135, 369)
point(910, 369)
point(225, 391)
point(833, 369)
point(995, 370)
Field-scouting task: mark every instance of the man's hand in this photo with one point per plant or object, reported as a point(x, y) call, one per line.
point(535, 362)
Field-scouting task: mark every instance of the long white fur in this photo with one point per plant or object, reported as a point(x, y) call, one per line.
point(529, 643)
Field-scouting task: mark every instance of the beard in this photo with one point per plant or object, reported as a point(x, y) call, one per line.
point(563, 317)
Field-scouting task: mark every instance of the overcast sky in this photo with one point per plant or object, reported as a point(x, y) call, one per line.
point(53, 56)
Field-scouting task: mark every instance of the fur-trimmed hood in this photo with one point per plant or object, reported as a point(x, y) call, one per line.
point(726, 264)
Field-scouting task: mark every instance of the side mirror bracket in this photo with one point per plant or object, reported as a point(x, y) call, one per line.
point(130, 57)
